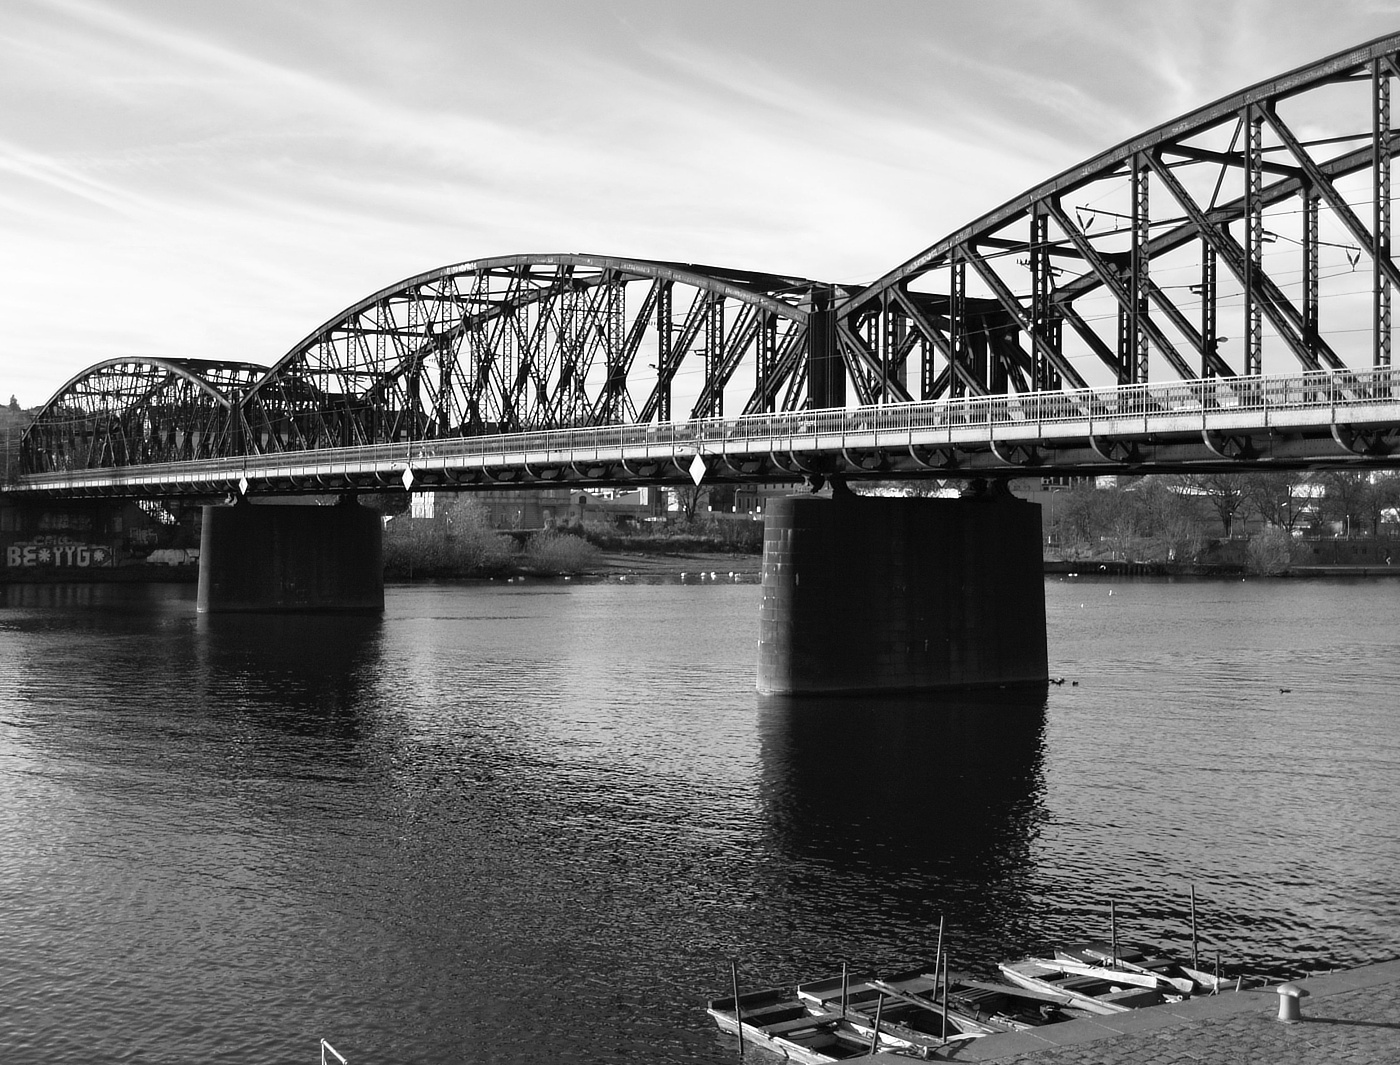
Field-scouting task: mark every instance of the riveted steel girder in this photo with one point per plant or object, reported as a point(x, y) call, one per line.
point(1124, 249)
point(132, 411)
point(533, 342)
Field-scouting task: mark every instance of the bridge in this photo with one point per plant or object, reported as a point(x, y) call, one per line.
point(1213, 294)
point(1315, 419)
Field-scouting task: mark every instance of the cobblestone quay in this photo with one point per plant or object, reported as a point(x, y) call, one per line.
point(1350, 1017)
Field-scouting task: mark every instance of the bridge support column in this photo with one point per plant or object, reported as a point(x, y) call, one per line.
point(868, 594)
point(272, 558)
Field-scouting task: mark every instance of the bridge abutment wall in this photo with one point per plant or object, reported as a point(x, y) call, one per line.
point(868, 594)
point(273, 558)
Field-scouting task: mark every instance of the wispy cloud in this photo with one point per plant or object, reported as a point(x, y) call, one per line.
point(217, 180)
point(57, 176)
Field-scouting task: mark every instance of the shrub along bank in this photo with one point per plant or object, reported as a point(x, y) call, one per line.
point(459, 542)
point(713, 535)
point(1265, 523)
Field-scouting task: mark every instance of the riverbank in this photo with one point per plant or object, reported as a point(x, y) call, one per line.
point(683, 565)
point(1086, 568)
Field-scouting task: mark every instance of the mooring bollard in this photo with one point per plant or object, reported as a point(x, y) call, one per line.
point(1290, 1000)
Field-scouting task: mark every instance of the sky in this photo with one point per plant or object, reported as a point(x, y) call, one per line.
point(214, 180)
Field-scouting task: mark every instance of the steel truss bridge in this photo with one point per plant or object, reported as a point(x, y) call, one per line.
point(1213, 294)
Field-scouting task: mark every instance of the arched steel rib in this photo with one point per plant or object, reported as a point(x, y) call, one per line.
point(1306, 77)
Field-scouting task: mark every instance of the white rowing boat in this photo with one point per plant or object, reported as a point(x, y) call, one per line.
point(1102, 994)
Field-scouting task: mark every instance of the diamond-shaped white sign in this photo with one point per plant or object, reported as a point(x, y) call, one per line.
point(697, 469)
point(408, 479)
point(243, 486)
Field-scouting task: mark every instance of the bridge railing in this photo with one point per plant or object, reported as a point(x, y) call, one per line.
point(1319, 396)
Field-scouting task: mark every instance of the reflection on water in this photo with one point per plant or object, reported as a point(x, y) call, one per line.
point(296, 672)
point(90, 607)
point(506, 823)
point(926, 807)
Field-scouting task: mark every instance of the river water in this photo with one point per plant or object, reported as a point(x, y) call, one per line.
point(533, 822)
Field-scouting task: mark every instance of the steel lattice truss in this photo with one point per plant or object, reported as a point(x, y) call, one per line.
point(1250, 237)
point(1262, 220)
point(135, 411)
point(530, 343)
point(516, 344)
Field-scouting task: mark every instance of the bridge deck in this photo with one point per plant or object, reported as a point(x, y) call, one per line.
point(1314, 419)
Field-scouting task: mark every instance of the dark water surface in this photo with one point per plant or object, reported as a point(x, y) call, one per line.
point(525, 823)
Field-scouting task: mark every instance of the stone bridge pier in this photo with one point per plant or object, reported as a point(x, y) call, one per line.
point(871, 594)
point(269, 558)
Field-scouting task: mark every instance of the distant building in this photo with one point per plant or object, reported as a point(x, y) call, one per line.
point(753, 499)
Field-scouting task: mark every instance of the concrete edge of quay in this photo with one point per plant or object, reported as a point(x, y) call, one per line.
point(1192, 1033)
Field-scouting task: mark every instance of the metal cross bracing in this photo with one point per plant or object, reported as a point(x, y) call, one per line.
point(1250, 236)
point(138, 411)
point(1215, 293)
point(517, 344)
point(537, 342)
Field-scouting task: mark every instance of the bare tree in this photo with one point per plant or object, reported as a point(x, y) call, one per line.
point(1171, 519)
point(1274, 496)
point(1088, 516)
point(1385, 496)
point(1354, 499)
point(687, 499)
point(1223, 491)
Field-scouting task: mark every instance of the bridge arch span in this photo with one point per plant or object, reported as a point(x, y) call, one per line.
point(1251, 235)
point(538, 342)
point(135, 410)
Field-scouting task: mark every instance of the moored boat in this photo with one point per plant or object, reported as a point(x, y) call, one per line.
point(1006, 1007)
point(783, 1024)
point(778, 1021)
point(914, 998)
point(906, 1002)
point(1095, 989)
point(1182, 978)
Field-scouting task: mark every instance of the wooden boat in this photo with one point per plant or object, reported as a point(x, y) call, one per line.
point(906, 1003)
point(779, 1022)
point(783, 1024)
point(914, 1000)
point(1007, 1008)
point(1092, 988)
point(1182, 978)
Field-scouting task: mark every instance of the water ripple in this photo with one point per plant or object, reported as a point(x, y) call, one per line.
point(503, 823)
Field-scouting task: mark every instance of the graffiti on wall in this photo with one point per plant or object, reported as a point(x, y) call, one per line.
point(57, 551)
point(53, 521)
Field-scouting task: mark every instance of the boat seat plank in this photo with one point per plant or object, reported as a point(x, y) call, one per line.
point(830, 991)
point(911, 985)
point(787, 1006)
point(811, 1020)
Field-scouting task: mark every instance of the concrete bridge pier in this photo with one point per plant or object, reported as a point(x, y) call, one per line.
point(871, 594)
point(276, 559)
